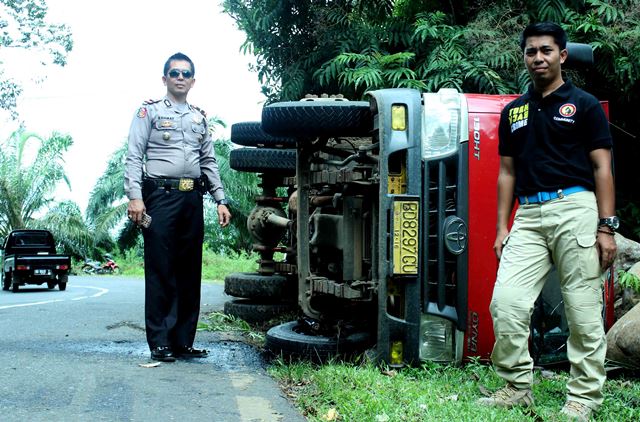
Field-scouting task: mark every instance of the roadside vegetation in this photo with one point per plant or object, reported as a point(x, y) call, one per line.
point(215, 266)
point(362, 391)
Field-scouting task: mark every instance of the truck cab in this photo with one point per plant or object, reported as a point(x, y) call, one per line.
point(29, 257)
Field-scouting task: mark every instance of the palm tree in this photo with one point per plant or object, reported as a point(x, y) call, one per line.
point(27, 183)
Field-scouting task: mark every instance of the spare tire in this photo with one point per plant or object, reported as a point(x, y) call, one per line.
point(263, 160)
point(250, 134)
point(256, 311)
point(311, 119)
point(258, 286)
point(293, 339)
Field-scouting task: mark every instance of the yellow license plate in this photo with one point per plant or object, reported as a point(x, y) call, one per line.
point(405, 237)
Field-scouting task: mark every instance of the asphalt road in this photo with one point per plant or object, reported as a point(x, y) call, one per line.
point(76, 356)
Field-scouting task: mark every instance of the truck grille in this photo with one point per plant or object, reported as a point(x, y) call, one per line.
point(441, 269)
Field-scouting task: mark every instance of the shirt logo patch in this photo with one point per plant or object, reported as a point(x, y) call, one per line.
point(518, 117)
point(567, 110)
point(142, 112)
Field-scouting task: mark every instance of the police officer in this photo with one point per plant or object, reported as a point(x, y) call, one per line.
point(555, 158)
point(170, 164)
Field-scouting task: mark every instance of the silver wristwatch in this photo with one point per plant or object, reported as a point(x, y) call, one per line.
point(612, 222)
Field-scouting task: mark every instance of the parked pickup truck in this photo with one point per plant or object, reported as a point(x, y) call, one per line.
point(29, 257)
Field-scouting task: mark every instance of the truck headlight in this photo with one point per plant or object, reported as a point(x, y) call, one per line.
point(437, 339)
point(440, 123)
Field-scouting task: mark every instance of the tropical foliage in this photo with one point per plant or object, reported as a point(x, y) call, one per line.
point(31, 167)
point(352, 46)
point(240, 189)
point(24, 29)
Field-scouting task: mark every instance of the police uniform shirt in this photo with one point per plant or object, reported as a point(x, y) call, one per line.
point(550, 138)
point(169, 140)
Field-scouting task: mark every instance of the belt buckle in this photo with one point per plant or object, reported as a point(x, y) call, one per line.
point(185, 185)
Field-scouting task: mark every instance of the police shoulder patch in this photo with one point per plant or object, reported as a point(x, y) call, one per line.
point(204, 114)
point(142, 112)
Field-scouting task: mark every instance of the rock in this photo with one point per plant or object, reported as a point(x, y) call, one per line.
point(628, 253)
point(628, 256)
point(623, 340)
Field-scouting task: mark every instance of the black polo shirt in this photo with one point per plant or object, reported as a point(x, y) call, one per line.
point(550, 138)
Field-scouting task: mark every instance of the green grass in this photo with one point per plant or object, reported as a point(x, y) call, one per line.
point(214, 267)
point(366, 392)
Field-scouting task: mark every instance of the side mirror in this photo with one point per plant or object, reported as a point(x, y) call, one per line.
point(580, 56)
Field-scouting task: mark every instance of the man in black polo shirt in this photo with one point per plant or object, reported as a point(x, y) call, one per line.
point(555, 157)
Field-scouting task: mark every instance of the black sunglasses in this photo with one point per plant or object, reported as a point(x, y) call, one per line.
point(174, 73)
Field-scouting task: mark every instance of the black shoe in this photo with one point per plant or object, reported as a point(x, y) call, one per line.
point(163, 354)
point(189, 352)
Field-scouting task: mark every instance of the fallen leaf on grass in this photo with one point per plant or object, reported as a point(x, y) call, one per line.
point(390, 373)
point(331, 415)
point(149, 365)
point(382, 418)
point(453, 397)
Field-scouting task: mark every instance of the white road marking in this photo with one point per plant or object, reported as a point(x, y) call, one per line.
point(101, 291)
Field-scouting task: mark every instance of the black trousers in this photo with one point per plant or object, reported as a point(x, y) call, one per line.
point(173, 266)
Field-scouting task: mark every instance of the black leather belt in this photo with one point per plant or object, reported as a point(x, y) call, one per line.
point(184, 184)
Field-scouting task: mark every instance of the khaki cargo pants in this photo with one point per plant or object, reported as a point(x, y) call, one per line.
point(560, 232)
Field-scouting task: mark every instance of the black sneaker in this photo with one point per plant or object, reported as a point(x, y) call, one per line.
point(163, 354)
point(189, 352)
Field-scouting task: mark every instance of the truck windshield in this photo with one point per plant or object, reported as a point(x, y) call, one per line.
point(31, 239)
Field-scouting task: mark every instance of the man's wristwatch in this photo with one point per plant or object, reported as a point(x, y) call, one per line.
point(612, 222)
point(222, 202)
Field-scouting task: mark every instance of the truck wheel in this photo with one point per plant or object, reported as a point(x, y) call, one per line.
point(250, 134)
point(6, 281)
point(51, 284)
point(256, 311)
point(263, 160)
point(310, 119)
point(258, 286)
point(291, 339)
point(62, 284)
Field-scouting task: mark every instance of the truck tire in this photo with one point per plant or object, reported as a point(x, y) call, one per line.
point(258, 286)
point(250, 134)
point(15, 282)
point(310, 119)
point(263, 160)
point(256, 311)
point(51, 284)
point(292, 340)
point(62, 284)
point(6, 281)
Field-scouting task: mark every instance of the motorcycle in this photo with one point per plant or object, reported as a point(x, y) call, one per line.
point(95, 267)
point(90, 266)
point(110, 266)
